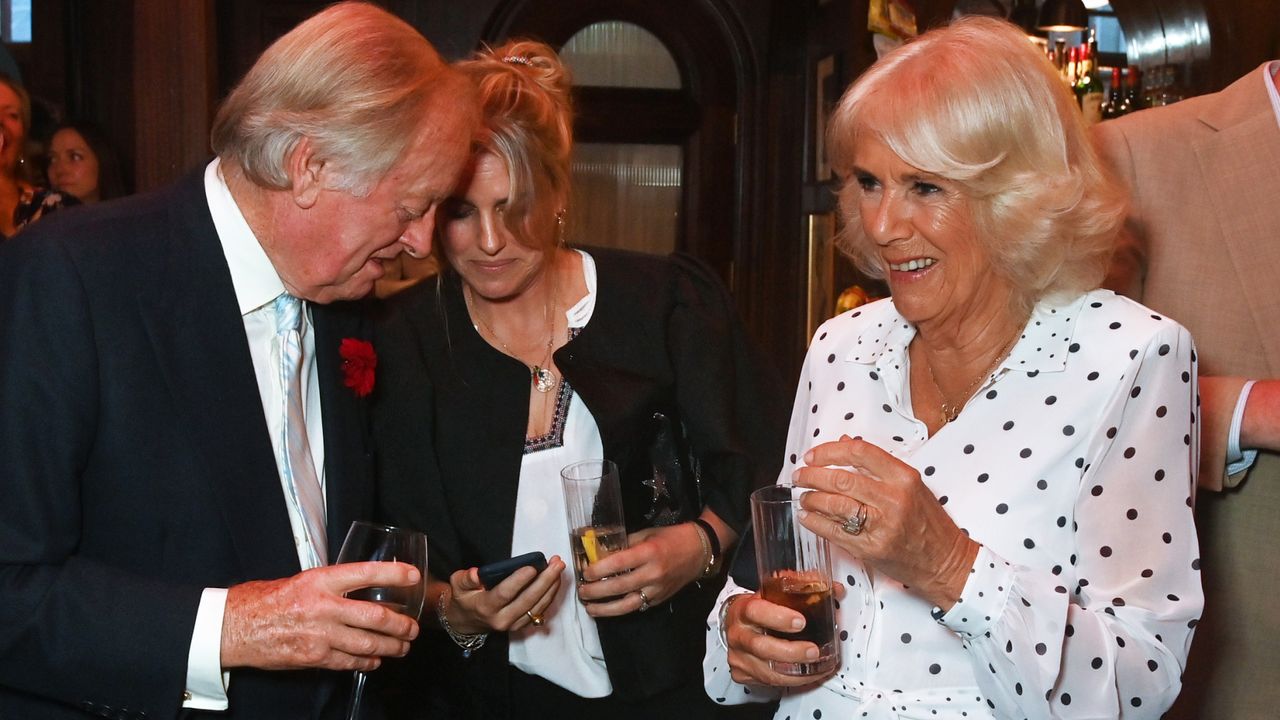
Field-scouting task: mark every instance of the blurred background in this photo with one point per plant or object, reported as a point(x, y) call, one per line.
point(699, 121)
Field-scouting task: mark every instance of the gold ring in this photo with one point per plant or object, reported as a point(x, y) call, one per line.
point(857, 522)
point(644, 600)
point(535, 619)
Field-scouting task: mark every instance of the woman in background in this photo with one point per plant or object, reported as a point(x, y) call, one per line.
point(21, 202)
point(83, 164)
point(527, 356)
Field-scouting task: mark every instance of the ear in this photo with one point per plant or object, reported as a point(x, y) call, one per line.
point(306, 173)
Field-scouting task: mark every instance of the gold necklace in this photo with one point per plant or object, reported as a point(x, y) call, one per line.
point(539, 373)
point(951, 412)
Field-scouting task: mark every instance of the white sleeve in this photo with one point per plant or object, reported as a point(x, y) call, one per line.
point(719, 684)
point(1239, 459)
point(206, 682)
point(1115, 644)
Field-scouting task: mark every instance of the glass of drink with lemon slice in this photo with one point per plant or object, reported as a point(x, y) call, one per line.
point(593, 505)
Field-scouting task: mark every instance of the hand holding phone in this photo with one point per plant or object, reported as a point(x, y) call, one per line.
point(496, 572)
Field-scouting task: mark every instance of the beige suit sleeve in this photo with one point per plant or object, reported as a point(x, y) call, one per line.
point(1127, 270)
point(1126, 275)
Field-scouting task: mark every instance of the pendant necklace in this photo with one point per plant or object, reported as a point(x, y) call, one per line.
point(951, 412)
point(540, 374)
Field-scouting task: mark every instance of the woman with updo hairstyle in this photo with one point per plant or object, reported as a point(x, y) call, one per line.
point(528, 355)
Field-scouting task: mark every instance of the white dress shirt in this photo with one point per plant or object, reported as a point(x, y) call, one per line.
point(257, 285)
point(1073, 466)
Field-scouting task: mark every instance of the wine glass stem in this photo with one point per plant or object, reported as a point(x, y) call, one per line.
point(357, 694)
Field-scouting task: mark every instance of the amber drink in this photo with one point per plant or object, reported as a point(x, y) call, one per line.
point(795, 572)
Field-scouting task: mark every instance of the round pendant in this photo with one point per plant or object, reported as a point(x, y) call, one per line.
point(543, 380)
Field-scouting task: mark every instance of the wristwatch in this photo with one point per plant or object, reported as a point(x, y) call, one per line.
point(710, 544)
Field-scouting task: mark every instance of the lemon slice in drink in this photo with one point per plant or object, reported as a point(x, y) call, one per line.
point(589, 545)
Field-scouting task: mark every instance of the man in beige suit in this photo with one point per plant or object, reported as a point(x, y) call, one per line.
point(1202, 245)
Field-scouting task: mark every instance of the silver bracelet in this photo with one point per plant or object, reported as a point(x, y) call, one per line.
point(468, 643)
point(724, 614)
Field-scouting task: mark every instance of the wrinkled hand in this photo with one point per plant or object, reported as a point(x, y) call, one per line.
point(305, 622)
point(502, 609)
point(751, 649)
point(658, 561)
point(907, 536)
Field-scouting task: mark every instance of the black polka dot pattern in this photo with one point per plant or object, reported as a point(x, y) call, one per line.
point(1070, 468)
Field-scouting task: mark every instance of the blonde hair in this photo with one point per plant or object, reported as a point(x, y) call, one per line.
point(527, 121)
point(978, 104)
point(353, 79)
point(24, 99)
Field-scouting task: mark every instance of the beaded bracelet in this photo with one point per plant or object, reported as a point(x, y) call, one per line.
point(468, 643)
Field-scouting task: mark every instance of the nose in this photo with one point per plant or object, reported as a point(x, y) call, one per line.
point(888, 220)
point(493, 236)
point(417, 235)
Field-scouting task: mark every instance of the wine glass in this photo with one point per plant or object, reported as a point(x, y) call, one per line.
point(367, 541)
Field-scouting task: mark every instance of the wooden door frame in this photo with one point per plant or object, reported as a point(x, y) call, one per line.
point(712, 54)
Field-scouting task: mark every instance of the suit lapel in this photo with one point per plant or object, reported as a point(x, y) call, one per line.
point(347, 463)
point(195, 326)
point(1242, 145)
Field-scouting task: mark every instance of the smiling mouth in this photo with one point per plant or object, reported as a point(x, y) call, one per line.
point(912, 265)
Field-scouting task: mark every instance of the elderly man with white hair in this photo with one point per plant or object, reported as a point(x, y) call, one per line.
point(183, 432)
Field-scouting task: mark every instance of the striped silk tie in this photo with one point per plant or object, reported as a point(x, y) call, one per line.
point(296, 462)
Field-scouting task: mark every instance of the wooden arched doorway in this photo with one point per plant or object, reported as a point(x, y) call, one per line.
point(702, 117)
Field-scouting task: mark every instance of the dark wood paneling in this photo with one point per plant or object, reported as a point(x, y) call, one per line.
point(634, 115)
point(174, 78)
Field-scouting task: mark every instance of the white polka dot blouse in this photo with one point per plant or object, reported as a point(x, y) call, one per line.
point(1074, 467)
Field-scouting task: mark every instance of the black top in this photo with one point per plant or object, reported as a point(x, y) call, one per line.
point(35, 203)
point(664, 339)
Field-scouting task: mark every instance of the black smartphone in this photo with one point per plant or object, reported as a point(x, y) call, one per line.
point(496, 572)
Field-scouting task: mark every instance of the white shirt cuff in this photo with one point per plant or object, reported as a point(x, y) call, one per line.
point(1239, 460)
point(983, 598)
point(206, 683)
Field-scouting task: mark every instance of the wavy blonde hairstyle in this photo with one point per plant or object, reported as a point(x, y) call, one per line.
point(976, 103)
point(354, 79)
point(526, 118)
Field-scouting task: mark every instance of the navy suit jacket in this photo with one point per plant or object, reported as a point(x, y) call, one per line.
point(136, 463)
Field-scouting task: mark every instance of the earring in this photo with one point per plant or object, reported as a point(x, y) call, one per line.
point(560, 227)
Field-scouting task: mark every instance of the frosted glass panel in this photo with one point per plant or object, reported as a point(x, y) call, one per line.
point(620, 54)
point(626, 196)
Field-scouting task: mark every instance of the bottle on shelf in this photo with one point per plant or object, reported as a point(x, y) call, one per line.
point(1113, 106)
point(1089, 83)
point(1072, 68)
point(1133, 93)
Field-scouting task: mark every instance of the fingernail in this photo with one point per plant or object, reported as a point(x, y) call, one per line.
point(808, 456)
point(797, 624)
point(801, 514)
point(811, 654)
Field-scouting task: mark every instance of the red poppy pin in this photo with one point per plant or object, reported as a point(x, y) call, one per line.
point(358, 363)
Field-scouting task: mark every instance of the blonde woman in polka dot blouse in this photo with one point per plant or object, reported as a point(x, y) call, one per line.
point(1001, 456)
